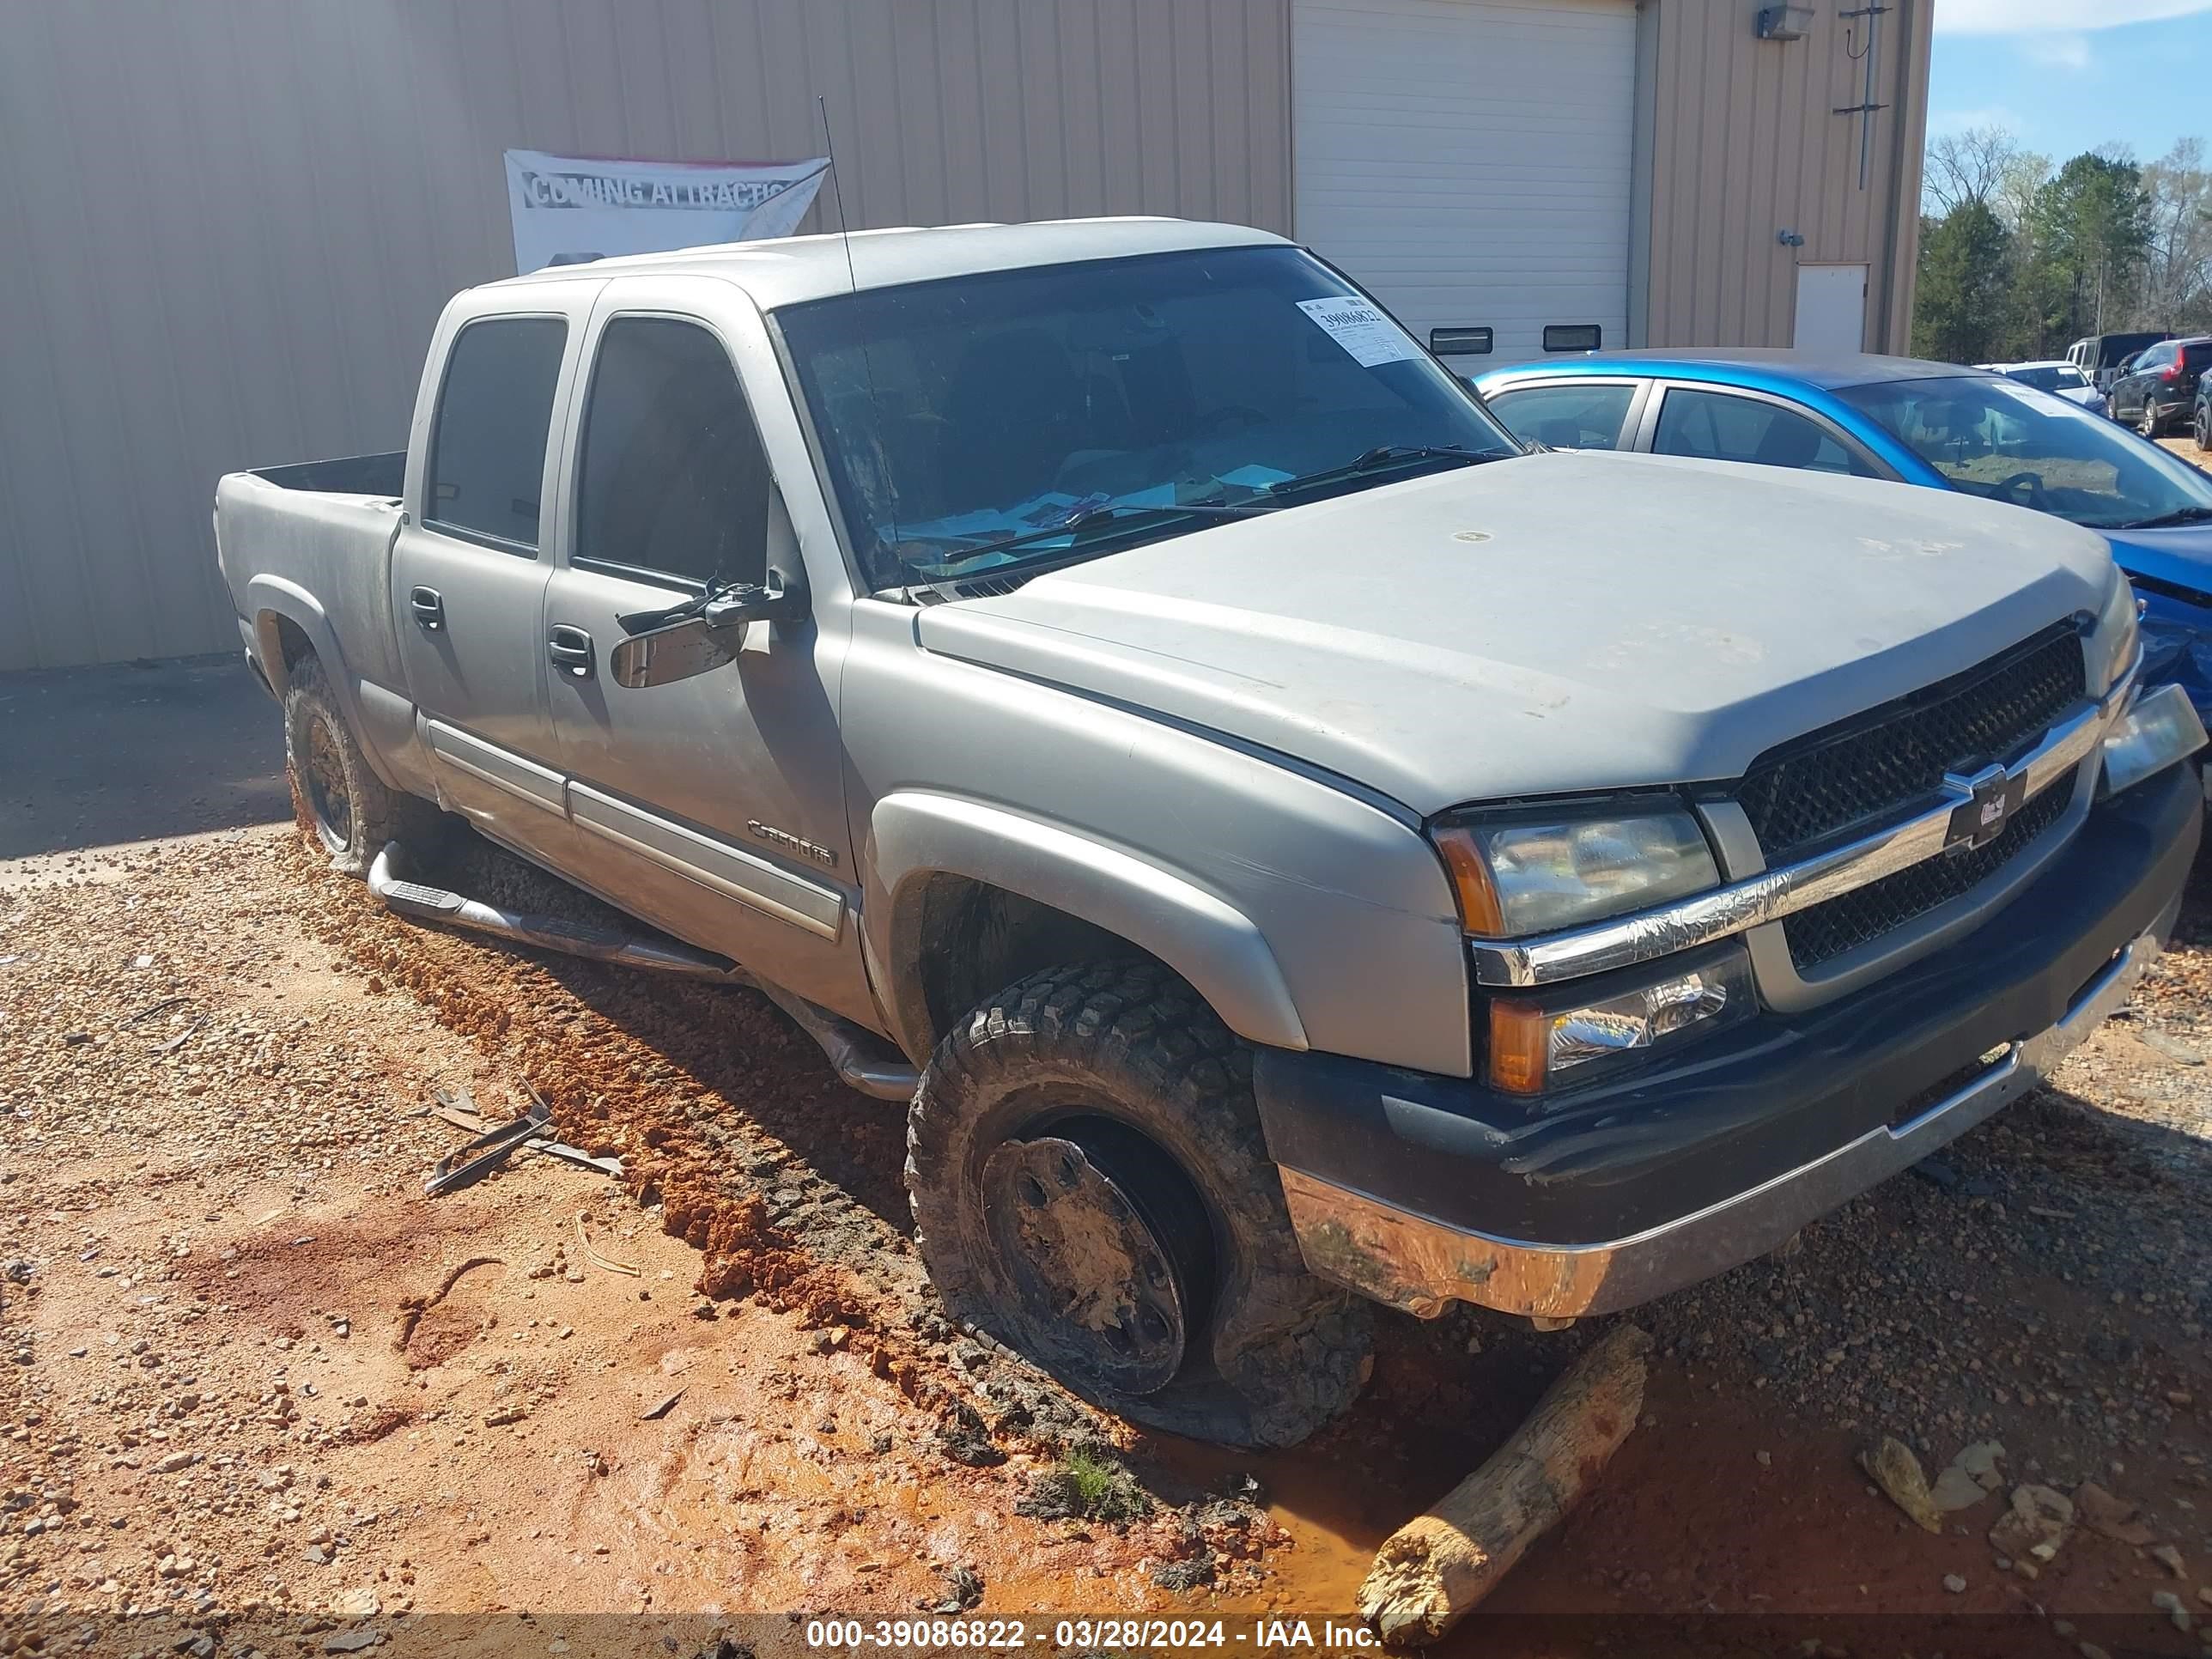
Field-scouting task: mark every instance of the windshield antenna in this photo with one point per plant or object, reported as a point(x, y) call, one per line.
point(867, 358)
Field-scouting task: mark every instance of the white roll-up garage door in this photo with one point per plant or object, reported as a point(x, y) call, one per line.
point(1468, 161)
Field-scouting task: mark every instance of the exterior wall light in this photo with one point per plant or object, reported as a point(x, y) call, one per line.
point(1785, 22)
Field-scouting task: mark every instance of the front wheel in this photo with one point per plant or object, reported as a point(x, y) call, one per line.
point(2203, 424)
point(1090, 1186)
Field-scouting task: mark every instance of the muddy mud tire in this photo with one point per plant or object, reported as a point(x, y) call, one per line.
point(1125, 1060)
point(342, 806)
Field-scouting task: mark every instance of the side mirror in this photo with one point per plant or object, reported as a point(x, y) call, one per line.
point(701, 636)
point(675, 651)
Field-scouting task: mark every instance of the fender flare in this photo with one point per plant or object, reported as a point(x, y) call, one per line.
point(915, 834)
point(271, 597)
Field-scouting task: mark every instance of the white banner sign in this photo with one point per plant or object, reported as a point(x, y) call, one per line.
point(569, 208)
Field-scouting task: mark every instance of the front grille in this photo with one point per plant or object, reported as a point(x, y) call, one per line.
point(1876, 768)
point(1828, 931)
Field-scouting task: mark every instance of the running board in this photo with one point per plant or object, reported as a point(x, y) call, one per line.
point(862, 1059)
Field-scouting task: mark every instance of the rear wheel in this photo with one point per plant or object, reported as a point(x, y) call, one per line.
point(1090, 1186)
point(338, 799)
point(2148, 423)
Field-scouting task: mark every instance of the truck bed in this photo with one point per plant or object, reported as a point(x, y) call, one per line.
point(344, 475)
point(311, 543)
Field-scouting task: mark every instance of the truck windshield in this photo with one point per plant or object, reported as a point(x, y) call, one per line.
point(1999, 438)
point(1044, 405)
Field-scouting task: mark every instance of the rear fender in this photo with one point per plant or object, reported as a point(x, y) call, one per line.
point(269, 598)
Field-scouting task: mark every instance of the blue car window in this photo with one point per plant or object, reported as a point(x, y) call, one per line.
point(1718, 426)
point(1575, 416)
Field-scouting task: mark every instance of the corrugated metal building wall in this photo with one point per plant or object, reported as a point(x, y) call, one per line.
point(230, 224)
point(1744, 143)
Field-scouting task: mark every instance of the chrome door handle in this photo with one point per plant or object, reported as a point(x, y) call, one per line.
point(429, 607)
point(571, 648)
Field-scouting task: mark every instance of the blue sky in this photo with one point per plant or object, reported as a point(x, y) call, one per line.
point(2067, 76)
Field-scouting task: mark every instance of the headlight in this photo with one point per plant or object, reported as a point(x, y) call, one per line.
point(2159, 730)
point(1573, 1037)
point(1532, 873)
point(2112, 646)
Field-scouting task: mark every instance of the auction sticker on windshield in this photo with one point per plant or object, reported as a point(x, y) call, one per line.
point(1354, 324)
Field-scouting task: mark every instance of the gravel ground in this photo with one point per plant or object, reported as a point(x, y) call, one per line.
point(228, 1396)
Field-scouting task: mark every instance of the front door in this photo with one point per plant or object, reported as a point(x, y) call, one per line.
point(1831, 309)
point(469, 573)
point(712, 806)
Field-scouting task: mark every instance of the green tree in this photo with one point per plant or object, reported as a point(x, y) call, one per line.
point(2092, 229)
point(1961, 312)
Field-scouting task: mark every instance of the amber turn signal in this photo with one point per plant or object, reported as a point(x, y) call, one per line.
point(1520, 1047)
point(1479, 912)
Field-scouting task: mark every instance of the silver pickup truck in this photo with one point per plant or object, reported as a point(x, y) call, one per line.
point(1282, 837)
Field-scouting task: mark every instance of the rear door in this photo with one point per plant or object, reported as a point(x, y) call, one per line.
point(712, 805)
point(470, 567)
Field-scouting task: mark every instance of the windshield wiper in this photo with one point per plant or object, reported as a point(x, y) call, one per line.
point(1376, 459)
point(2167, 520)
point(1208, 511)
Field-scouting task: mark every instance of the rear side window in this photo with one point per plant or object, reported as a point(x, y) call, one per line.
point(675, 482)
point(488, 446)
point(1720, 427)
point(2196, 356)
point(1572, 416)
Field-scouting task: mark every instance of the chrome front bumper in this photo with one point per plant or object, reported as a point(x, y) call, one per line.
point(1418, 1265)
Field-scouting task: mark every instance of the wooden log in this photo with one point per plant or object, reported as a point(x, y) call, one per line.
point(1432, 1570)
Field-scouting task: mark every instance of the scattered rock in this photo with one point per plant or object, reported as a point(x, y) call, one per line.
point(1185, 1575)
point(2109, 1516)
point(1955, 1583)
point(356, 1604)
point(175, 1460)
point(1898, 1472)
point(2170, 1604)
point(1955, 1489)
point(963, 1589)
point(1980, 1461)
point(2038, 1523)
point(963, 1437)
point(2169, 1557)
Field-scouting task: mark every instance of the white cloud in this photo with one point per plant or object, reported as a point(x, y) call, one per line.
point(1963, 120)
point(2043, 17)
point(2067, 51)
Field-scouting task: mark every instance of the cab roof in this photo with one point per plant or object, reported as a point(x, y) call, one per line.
point(791, 270)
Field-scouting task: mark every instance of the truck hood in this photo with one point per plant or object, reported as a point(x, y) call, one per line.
point(1553, 623)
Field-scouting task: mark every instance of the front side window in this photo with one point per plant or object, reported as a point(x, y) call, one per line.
point(1719, 426)
point(1573, 416)
point(1997, 438)
point(488, 442)
point(672, 478)
point(1081, 407)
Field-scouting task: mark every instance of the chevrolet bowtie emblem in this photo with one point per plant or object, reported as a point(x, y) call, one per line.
point(1992, 796)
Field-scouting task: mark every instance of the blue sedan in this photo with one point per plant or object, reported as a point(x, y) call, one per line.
point(1915, 423)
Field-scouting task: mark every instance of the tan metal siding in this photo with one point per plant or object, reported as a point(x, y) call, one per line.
point(232, 224)
point(1743, 143)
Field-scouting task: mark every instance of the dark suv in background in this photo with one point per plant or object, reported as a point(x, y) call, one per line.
point(2161, 384)
point(2101, 357)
